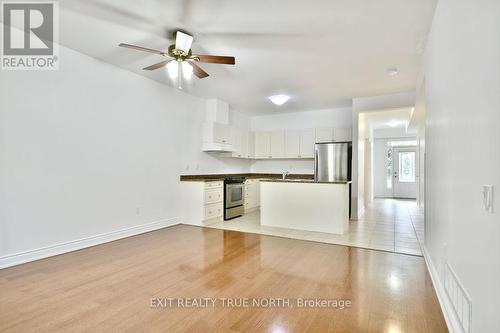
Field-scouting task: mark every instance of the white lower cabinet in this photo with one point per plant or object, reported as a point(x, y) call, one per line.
point(202, 202)
point(213, 211)
point(252, 194)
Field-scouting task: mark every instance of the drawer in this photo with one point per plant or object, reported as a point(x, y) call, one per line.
point(213, 195)
point(212, 211)
point(216, 184)
point(250, 202)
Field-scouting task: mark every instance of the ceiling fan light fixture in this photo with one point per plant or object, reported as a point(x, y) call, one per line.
point(173, 69)
point(183, 41)
point(187, 70)
point(392, 71)
point(279, 99)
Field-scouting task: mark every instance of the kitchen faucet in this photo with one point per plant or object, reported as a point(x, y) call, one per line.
point(284, 174)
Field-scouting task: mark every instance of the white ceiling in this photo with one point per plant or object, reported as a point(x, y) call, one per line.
point(322, 52)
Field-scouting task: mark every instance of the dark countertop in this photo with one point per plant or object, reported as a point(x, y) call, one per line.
point(250, 175)
point(308, 181)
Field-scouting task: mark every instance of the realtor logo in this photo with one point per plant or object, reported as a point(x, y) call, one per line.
point(29, 35)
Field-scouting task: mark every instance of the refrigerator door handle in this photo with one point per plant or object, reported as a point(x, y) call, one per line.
point(315, 164)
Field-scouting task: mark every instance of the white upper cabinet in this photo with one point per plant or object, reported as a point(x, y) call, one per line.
point(251, 145)
point(299, 143)
point(324, 134)
point(216, 136)
point(292, 144)
point(236, 140)
point(306, 144)
point(342, 134)
point(262, 145)
point(221, 133)
point(277, 144)
point(244, 144)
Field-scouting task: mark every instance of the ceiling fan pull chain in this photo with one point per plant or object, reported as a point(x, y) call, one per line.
point(179, 76)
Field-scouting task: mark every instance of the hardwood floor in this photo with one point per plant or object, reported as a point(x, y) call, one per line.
point(110, 287)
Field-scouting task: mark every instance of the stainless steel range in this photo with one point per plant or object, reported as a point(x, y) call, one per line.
point(234, 197)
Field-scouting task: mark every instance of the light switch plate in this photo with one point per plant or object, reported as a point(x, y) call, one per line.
point(488, 198)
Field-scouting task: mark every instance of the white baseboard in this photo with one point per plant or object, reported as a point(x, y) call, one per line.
point(52, 250)
point(449, 314)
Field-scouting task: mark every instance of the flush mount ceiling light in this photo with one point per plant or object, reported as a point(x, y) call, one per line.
point(279, 99)
point(395, 123)
point(392, 71)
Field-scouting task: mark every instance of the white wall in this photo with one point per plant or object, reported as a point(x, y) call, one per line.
point(380, 169)
point(462, 137)
point(397, 132)
point(307, 119)
point(340, 117)
point(83, 147)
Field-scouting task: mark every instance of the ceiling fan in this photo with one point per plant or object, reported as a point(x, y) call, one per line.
point(181, 62)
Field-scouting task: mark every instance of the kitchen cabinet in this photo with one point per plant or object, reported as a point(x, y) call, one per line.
point(277, 144)
point(201, 202)
point(244, 144)
point(324, 134)
point(216, 133)
point(262, 145)
point(292, 144)
point(251, 145)
point(252, 195)
point(342, 134)
point(236, 141)
point(307, 144)
point(299, 143)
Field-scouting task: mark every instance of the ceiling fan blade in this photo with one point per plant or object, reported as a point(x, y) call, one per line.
point(156, 66)
point(183, 41)
point(215, 59)
point(140, 48)
point(198, 71)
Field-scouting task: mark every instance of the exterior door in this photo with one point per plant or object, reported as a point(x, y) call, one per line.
point(405, 172)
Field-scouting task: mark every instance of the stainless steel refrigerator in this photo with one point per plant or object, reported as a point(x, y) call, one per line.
point(332, 161)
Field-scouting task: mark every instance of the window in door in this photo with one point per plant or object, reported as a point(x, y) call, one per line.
point(406, 166)
point(389, 168)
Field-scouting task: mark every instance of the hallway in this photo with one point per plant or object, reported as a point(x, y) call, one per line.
point(391, 225)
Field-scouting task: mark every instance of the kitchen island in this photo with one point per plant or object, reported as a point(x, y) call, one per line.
point(304, 204)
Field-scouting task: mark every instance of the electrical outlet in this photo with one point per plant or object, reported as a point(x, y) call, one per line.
point(488, 198)
point(138, 211)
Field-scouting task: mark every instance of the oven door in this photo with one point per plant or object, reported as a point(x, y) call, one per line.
point(234, 195)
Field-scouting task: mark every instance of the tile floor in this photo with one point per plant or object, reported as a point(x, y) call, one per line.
point(388, 224)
